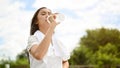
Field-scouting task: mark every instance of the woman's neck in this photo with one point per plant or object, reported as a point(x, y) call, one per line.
point(43, 29)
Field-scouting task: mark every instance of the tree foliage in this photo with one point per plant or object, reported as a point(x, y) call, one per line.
point(22, 58)
point(20, 62)
point(98, 47)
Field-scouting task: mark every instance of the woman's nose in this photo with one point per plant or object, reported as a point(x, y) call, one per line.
point(46, 15)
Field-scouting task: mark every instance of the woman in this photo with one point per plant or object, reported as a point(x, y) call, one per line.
point(45, 51)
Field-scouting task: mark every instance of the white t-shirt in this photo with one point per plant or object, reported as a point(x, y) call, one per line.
point(55, 55)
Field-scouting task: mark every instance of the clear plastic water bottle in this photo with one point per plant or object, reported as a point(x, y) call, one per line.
point(59, 18)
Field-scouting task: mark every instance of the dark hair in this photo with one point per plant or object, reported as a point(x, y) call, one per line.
point(34, 26)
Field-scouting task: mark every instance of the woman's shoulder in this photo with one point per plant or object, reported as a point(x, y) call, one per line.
point(32, 38)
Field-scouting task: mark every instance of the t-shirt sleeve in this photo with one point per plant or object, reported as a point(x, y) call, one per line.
point(31, 41)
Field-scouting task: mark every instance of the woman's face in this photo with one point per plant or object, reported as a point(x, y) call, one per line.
point(42, 17)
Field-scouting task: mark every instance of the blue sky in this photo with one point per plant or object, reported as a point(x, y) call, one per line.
point(80, 15)
point(1, 40)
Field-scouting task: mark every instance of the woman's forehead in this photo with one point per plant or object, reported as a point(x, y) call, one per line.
point(45, 10)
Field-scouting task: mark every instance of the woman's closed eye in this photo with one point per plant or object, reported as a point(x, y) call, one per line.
point(43, 13)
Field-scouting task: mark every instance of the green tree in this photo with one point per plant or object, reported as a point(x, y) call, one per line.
point(98, 47)
point(20, 62)
point(102, 36)
point(22, 55)
point(22, 58)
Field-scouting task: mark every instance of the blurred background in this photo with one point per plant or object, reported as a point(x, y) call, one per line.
point(91, 31)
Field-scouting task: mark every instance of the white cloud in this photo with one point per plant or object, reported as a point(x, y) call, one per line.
point(71, 4)
point(8, 7)
point(14, 27)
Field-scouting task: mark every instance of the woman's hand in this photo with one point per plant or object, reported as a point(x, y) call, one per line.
point(65, 64)
point(51, 18)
